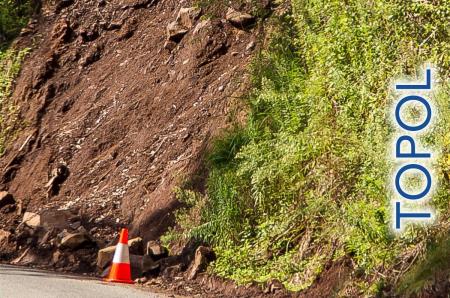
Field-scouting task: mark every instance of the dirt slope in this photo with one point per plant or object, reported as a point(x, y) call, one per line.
point(115, 117)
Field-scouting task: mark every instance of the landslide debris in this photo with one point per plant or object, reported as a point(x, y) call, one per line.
point(120, 100)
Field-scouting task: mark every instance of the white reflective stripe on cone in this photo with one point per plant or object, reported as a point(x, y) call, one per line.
point(122, 254)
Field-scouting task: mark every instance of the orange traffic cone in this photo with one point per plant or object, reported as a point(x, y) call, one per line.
point(120, 269)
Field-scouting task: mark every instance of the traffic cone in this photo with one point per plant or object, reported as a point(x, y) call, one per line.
point(120, 269)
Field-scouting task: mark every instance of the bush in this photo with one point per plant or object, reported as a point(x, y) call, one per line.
point(10, 62)
point(305, 181)
point(14, 15)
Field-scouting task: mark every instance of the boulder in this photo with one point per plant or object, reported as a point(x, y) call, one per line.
point(6, 199)
point(28, 257)
point(239, 19)
point(148, 264)
point(175, 31)
point(141, 265)
point(172, 271)
point(187, 16)
point(74, 240)
point(32, 219)
point(105, 255)
point(59, 219)
point(156, 250)
point(136, 246)
point(203, 255)
point(44, 239)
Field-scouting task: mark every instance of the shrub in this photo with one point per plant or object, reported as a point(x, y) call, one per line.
point(305, 181)
point(14, 15)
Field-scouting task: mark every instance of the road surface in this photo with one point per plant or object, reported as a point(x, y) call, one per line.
point(29, 283)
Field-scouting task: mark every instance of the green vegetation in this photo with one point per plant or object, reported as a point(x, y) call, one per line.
point(10, 62)
point(14, 14)
point(305, 182)
point(436, 262)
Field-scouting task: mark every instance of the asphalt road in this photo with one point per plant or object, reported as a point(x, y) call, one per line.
point(29, 283)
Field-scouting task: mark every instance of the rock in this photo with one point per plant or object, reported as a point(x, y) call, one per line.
point(156, 250)
point(175, 31)
point(58, 176)
point(56, 257)
point(92, 56)
point(136, 246)
point(45, 239)
point(59, 219)
point(74, 240)
point(239, 19)
point(172, 271)
point(113, 26)
point(4, 236)
point(28, 257)
point(274, 285)
point(6, 199)
point(185, 20)
point(105, 272)
point(62, 234)
point(203, 255)
point(187, 16)
point(141, 265)
point(19, 208)
point(148, 264)
point(63, 4)
point(170, 45)
point(75, 225)
point(200, 26)
point(32, 219)
point(250, 46)
point(105, 255)
point(141, 280)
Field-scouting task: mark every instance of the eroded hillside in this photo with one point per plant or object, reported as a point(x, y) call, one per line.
point(116, 109)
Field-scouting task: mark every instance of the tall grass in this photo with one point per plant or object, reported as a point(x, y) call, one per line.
point(14, 14)
point(10, 63)
point(305, 182)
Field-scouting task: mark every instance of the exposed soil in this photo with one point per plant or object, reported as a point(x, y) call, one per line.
point(127, 118)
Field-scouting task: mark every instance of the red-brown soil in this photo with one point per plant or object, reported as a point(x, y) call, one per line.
point(128, 118)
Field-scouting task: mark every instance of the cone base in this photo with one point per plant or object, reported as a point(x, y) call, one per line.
point(119, 281)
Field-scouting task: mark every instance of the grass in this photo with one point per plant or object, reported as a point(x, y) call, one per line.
point(436, 262)
point(10, 63)
point(305, 181)
point(14, 14)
